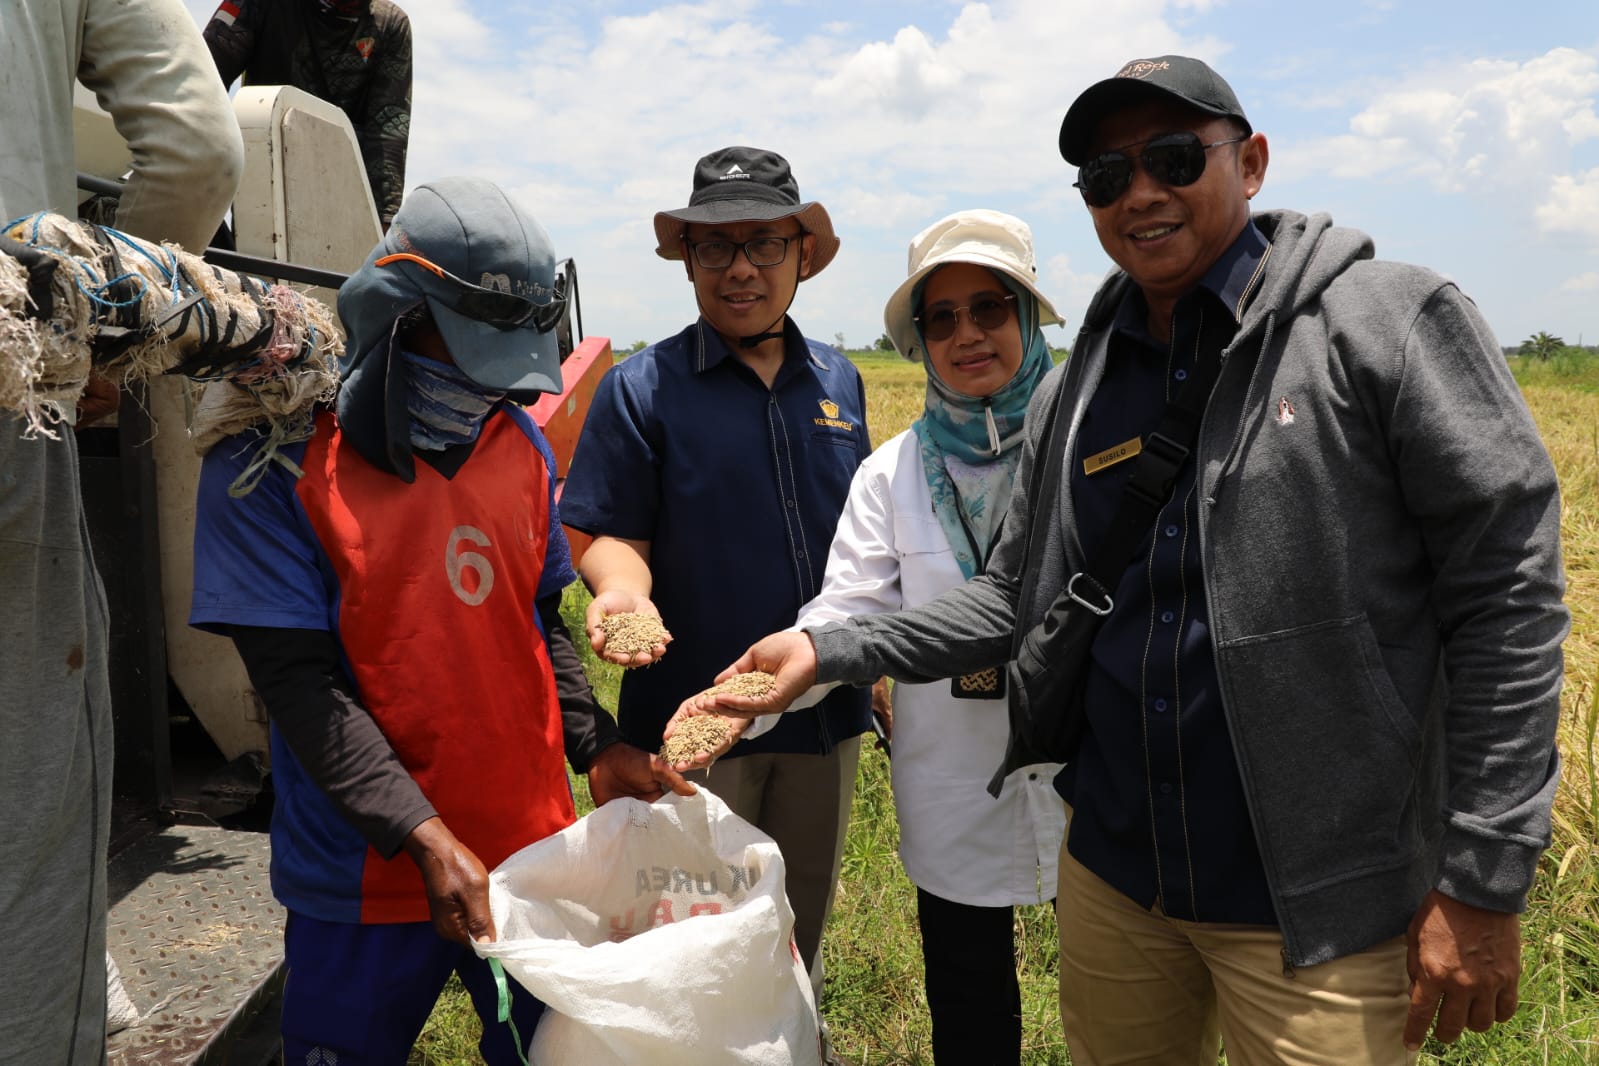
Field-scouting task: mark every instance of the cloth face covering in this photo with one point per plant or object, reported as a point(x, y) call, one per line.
point(446, 406)
point(971, 445)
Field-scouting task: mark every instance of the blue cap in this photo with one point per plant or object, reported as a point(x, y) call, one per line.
point(471, 229)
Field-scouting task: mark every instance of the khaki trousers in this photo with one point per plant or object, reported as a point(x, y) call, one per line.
point(1139, 987)
point(803, 803)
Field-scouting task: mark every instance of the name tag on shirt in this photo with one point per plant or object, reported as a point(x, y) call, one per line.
point(1112, 455)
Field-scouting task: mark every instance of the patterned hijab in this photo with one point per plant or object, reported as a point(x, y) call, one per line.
point(971, 445)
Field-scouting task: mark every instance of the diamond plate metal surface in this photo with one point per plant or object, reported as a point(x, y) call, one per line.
point(199, 940)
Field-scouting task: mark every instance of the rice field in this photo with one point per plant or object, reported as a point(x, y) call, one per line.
point(874, 1001)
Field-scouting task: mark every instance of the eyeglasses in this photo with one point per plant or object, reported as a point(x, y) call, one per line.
point(1172, 159)
point(760, 251)
point(986, 312)
point(502, 310)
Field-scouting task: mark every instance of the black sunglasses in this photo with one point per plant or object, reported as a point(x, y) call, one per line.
point(988, 312)
point(1171, 159)
point(502, 310)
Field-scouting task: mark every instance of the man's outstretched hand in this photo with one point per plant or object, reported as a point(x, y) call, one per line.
point(1465, 968)
point(623, 770)
point(621, 601)
point(791, 660)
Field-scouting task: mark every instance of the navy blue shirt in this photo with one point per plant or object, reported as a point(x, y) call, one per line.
point(738, 489)
point(1162, 813)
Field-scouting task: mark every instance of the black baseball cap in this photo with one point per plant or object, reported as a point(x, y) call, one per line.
point(739, 184)
point(1181, 78)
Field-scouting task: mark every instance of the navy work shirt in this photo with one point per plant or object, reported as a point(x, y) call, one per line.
point(1162, 814)
point(738, 489)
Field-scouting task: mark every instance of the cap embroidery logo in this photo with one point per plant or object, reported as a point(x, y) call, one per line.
point(734, 173)
point(1285, 412)
point(1142, 68)
point(497, 282)
point(829, 408)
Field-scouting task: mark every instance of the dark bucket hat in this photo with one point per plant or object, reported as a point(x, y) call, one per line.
point(745, 185)
point(1181, 78)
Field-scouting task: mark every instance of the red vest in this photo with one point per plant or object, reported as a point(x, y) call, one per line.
point(436, 587)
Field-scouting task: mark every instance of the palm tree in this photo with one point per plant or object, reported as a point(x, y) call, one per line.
point(1542, 345)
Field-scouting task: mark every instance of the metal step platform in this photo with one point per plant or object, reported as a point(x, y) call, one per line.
point(198, 938)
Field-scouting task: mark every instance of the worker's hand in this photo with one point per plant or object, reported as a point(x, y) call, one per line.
point(883, 709)
point(623, 770)
point(689, 708)
point(457, 884)
point(1465, 965)
point(100, 398)
point(621, 601)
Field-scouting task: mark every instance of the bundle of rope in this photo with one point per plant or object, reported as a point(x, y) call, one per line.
point(76, 297)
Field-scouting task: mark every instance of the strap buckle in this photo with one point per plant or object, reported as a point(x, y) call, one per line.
point(1158, 464)
point(1071, 590)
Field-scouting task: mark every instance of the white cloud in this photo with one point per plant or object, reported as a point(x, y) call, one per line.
point(1588, 282)
point(602, 130)
point(1069, 289)
point(593, 115)
point(1572, 206)
point(1472, 126)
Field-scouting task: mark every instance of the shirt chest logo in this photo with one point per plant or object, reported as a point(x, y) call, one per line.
point(830, 417)
point(364, 46)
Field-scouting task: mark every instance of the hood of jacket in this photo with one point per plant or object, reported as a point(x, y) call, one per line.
point(1308, 253)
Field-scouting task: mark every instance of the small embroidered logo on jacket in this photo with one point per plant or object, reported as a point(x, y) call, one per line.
point(830, 410)
point(1285, 412)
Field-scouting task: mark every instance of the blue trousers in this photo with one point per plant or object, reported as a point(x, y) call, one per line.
point(358, 995)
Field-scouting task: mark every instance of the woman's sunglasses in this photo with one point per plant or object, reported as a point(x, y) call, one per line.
point(1171, 159)
point(502, 310)
point(987, 312)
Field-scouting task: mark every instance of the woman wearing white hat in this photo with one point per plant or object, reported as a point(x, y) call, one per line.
point(922, 513)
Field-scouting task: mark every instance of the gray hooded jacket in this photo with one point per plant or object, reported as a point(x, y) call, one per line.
point(1380, 534)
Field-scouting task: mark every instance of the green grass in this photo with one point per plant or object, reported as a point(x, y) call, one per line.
point(874, 1001)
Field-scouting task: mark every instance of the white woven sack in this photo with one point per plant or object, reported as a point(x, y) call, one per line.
point(656, 933)
point(120, 1013)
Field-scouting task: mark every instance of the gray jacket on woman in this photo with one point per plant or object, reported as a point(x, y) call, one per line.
point(1379, 530)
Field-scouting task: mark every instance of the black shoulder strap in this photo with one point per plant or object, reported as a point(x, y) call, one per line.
point(1154, 473)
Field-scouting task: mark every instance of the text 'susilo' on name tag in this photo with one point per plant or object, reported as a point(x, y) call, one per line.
point(1111, 456)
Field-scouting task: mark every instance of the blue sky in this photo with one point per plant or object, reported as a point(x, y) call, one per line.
point(1461, 135)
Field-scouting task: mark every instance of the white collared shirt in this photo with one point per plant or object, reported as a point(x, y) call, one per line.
point(956, 840)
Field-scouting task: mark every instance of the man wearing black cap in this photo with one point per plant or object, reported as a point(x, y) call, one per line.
point(393, 585)
point(1318, 717)
point(711, 470)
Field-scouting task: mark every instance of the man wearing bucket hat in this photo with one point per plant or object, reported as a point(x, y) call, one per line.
point(1316, 727)
point(393, 585)
point(711, 471)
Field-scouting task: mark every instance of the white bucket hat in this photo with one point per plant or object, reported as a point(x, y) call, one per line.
point(991, 239)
